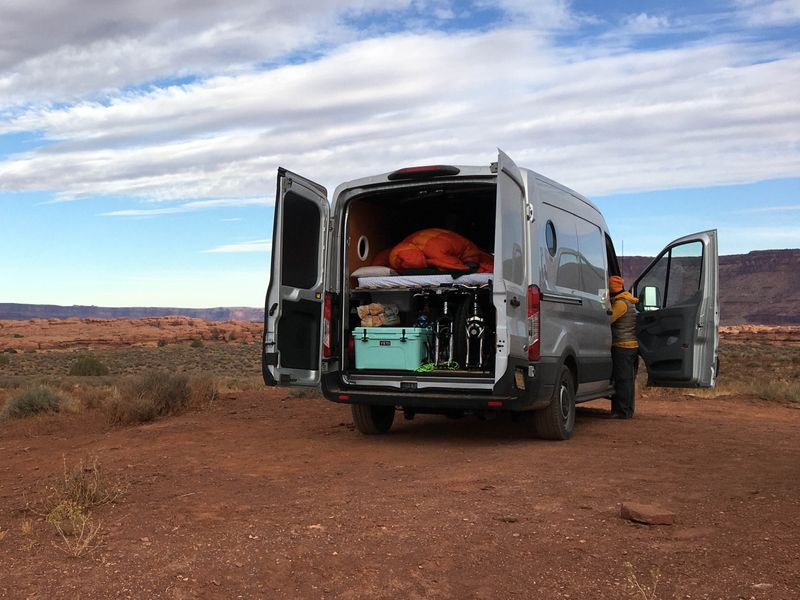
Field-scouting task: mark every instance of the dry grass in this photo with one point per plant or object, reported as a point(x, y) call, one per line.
point(84, 486)
point(641, 590)
point(142, 399)
point(83, 541)
point(203, 392)
point(70, 500)
point(767, 371)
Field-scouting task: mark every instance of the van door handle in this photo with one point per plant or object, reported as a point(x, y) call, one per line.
point(514, 301)
point(272, 309)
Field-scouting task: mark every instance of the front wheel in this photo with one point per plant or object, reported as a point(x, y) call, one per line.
point(557, 421)
point(372, 420)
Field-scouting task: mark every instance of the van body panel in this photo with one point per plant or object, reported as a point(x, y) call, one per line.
point(678, 320)
point(296, 292)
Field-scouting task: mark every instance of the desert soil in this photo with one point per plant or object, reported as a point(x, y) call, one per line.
point(267, 495)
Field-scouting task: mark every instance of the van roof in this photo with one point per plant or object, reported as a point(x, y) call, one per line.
point(465, 171)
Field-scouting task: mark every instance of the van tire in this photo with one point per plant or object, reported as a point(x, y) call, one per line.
point(372, 420)
point(557, 421)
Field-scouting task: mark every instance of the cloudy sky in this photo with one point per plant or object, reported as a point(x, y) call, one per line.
point(139, 141)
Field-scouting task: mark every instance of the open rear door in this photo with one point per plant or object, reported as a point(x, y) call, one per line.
point(678, 320)
point(510, 293)
point(293, 318)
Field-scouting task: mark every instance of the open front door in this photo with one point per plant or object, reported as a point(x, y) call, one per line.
point(678, 320)
point(293, 318)
point(510, 293)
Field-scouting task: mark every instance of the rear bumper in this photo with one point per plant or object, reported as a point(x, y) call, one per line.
point(504, 397)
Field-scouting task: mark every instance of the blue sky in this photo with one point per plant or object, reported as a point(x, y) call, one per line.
point(139, 141)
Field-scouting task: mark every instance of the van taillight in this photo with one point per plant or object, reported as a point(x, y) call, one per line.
point(327, 311)
point(534, 322)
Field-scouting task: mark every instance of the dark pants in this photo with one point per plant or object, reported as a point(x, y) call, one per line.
point(624, 400)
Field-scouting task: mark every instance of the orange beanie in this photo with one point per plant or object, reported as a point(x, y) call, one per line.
point(615, 284)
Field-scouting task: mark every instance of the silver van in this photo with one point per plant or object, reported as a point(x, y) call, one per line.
point(531, 338)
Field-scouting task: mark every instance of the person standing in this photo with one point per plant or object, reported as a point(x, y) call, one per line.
point(624, 348)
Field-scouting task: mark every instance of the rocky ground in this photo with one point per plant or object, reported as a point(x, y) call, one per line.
point(272, 494)
point(60, 334)
point(268, 495)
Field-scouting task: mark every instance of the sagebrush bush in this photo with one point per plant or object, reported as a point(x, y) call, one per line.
point(88, 366)
point(142, 399)
point(4, 360)
point(161, 343)
point(33, 400)
point(196, 344)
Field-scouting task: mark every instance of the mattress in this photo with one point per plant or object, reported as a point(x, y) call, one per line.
point(412, 281)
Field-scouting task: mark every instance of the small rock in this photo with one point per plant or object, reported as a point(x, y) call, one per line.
point(509, 519)
point(762, 586)
point(646, 513)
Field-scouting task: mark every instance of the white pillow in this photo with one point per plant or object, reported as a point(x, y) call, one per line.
point(373, 272)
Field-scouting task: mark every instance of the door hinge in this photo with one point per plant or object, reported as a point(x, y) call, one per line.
point(330, 225)
point(529, 212)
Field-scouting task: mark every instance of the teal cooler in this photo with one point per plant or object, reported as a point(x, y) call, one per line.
point(397, 348)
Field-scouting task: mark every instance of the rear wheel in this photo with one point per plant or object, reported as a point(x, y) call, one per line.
point(557, 421)
point(372, 420)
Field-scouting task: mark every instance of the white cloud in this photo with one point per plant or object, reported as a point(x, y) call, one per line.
point(59, 49)
point(770, 12)
point(252, 246)
point(773, 209)
point(190, 207)
point(602, 119)
point(644, 24)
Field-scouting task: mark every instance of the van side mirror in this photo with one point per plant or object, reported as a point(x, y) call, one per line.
point(650, 298)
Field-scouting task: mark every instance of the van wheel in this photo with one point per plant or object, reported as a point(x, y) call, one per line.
point(557, 421)
point(372, 420)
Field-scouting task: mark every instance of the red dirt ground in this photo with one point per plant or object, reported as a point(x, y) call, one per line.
point(274, 496)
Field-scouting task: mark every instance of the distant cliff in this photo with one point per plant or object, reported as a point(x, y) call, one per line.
point(761, 287)
point(49, 311)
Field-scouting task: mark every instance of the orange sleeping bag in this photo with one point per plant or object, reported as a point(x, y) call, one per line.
point(438, 248)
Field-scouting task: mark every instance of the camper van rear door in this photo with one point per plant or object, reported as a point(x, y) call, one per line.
point(678, 320)
point(510, 289)
point(296, 292)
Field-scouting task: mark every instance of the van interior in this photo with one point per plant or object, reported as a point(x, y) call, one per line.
point(428, 321)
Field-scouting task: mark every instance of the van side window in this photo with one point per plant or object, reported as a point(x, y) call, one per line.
point(550, 238)
point(592, 255)
point(673, 279)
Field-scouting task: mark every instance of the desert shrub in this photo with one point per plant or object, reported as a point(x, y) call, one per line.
point(10, 351)
point(92, 397)
point(203, 391)
point(142, 399)
point(81, 487)
point(778, 391)
point(4, 360)
point(161, 343)
point(88, 366)
point(196, 344)
point(18, 335)
point(33, 400)
point(69, 501)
